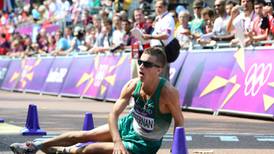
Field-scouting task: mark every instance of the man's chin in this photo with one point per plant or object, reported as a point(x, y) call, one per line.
point(141, 78)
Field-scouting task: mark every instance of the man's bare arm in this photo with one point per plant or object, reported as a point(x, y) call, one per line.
point(118, 108)
point(172, 102)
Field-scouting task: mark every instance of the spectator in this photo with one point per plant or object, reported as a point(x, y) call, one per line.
point(17, 49)
point(137, 45)
point(175, 17)
point(104, 40)
point(242, 20)
point(62, 45)
point(260, 27)
point(208, 17)
point(29, 47)
point(145, 6)
point(77, 40)
point(118, 33)
point(4, 45)
point(128, 38)
point(52, 43)
point(229, 5)
point(197, 25)
point(220, 32)
point(42, 41)
point(90, 38)
point(183, 31)
point(96, 20)
point(163, 30)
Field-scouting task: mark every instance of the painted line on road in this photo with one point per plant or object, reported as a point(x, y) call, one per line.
point(224, 138)
point(265, 138)
point(9, 129)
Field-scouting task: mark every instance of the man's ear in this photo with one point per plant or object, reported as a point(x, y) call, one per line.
point(160, 70)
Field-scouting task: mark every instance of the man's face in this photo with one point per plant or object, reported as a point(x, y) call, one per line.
point(258, 9)
point(247, 5)
point(159, 8)
point(219, 7)
point(138, 16)
point(228, 8)
point(116, 21)
point(148, 67)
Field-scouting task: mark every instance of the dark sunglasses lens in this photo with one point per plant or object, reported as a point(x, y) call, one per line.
point(140, 62)
point(146, 64)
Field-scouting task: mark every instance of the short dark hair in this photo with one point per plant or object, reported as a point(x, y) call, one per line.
point(231, 2)
point(159, 53)
point(164, 2)
point(257, 2)
point(252, 1)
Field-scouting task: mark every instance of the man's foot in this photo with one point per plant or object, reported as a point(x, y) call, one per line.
point(24, 148)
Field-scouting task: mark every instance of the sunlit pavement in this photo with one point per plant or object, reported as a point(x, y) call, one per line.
point(205, 133)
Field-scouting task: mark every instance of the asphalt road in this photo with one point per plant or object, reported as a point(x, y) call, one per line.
point(205, 133)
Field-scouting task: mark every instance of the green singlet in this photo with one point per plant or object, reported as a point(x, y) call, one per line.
point(143, 128)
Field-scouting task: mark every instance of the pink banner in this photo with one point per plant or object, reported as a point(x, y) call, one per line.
point(197, 72)
point(253, 89)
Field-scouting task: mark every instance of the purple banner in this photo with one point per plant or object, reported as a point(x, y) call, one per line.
point(253, 89)
point(175, 67)
point(120, 76)
point(4, 64)
point(27, 30)
point(26, 74)
point(57, 75)
point(101, 74)
point(40, 71)
point(198, 71)
point(79, 77)
point(13, 75)
point(51, 28)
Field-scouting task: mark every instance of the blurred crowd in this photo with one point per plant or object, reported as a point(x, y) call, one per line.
point(95, 26)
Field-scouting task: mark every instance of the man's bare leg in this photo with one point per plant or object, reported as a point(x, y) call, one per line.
point(95, 148)
point(99, 134)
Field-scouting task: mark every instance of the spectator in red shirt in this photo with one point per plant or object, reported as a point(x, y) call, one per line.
point(4, 45)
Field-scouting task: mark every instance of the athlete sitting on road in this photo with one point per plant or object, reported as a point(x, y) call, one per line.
point(139, 132)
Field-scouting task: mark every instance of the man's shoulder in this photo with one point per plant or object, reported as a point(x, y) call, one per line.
point(168, 89)
point(131, 84)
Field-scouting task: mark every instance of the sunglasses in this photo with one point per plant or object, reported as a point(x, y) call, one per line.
point(217, 5)
point(147, 64)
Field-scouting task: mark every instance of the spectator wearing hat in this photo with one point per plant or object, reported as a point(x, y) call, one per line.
point(197, 25)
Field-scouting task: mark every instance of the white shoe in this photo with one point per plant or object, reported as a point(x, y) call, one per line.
point(24, 148)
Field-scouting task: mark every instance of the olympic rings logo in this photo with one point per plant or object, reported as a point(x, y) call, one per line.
point(256, 77)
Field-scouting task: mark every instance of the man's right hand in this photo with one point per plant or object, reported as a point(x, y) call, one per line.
point(235, 11)
point(147, 36)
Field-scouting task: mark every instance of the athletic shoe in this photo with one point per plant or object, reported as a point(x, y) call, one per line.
point(24, 148)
